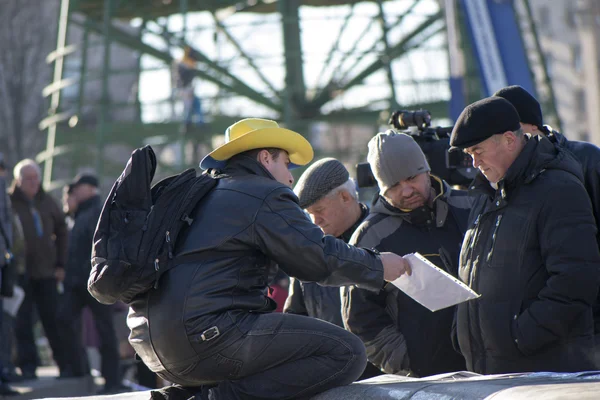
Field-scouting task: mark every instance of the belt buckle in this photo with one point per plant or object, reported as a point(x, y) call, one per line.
point(210, 334)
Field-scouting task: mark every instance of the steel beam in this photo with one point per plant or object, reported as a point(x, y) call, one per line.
point(63, 23)
point(336, 44)
point(387, 60)
point(244, 55)
point(295, 88)
point(213, 72)
point(394, 52)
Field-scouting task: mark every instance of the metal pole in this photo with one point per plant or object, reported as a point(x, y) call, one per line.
point(183, 4)
point(82, 70)
point(387, 59)
point(538, 48)
point(295, 88)
point(63, 22)
point(104, 101)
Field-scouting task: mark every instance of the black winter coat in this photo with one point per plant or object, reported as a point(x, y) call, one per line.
point(531, 253)
point(588, 156)
point(400, 334)
point(81, 238)
point(243, 225)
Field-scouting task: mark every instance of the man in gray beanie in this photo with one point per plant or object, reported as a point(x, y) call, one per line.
point(328, 194)
point(415, 212)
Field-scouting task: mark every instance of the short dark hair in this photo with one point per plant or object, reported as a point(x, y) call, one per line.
point(272, 150)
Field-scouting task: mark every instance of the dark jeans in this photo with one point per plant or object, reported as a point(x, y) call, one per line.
point(7, 341)
point(283, 356)
point(42, 294)
point(74, 300)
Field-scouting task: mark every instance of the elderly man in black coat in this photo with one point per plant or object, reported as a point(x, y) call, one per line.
point(530, 250)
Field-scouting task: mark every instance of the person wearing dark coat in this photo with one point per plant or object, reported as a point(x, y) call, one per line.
point(209, 326)
point(45, 233)
point(587, 154)
point(88, 205)
point(530, 250)
point(6, 244)
point(415, 212)
point(328, 194)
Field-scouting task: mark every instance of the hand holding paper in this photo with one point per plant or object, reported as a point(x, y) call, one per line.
point(394, 266)
point(432, 287)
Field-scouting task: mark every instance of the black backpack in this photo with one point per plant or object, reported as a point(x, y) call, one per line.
point(139, 225)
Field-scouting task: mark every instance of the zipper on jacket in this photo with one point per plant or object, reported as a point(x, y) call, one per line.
point(472, 245)
point(145, 227)
point(168, 240)
point(156, 268)
point(491, 252)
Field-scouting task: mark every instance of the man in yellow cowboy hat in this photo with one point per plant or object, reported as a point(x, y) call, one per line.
point(211, 322)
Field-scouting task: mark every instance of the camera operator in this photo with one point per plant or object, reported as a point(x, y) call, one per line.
point(415, 212)
point(588, 155)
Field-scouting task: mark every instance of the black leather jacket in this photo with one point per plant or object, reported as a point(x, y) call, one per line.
point(244, 225)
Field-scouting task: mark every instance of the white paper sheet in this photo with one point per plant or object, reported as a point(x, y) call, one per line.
point(431, 286)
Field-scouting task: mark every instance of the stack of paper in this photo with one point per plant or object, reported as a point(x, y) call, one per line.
point(431, 286)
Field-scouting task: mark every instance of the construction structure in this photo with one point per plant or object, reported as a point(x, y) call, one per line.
point(331, 69)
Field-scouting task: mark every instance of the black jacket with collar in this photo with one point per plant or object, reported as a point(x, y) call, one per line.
point(243, 225)
point(531, 253)
point(400, 334)
point(314, 300)
point(81, 238)
point(588, 156)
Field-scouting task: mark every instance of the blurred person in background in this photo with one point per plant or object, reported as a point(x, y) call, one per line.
point(45, 235)
point(87, 205)
point(6, 262)
point(183, 82)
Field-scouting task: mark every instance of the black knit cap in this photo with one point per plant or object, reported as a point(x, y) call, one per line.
point(527, 106)
point(319, 179)
point(83, 179)
point(483, 119)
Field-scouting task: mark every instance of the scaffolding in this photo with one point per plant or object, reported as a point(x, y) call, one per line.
point(365, 70)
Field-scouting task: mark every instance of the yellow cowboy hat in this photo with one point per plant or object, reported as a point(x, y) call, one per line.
point(257, 133)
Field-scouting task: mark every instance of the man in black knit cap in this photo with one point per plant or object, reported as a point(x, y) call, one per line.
point(588, 155)
point(530, 250)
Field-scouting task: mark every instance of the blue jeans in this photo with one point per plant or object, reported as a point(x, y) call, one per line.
point(282, 356)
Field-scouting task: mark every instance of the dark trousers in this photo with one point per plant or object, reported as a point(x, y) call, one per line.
point(43, 295)
point(7, 341)
point(283, 356)
point(74, 300)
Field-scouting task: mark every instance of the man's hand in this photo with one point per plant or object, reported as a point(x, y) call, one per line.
point(59, 274)
point(394, 266)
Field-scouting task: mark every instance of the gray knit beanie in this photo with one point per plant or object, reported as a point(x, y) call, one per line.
point(320, 179)
point(394, 157)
